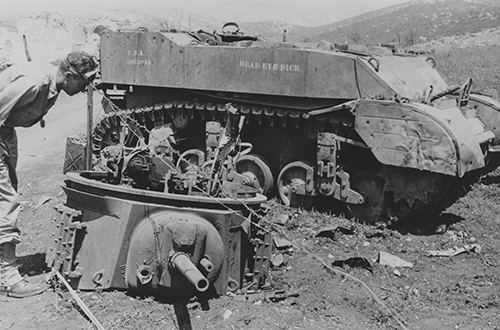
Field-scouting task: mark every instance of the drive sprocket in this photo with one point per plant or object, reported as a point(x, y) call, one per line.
point(394, 193)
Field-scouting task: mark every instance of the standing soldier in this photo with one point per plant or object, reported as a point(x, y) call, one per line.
point(27, 92)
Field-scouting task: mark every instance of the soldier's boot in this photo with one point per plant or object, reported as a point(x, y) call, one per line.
point(12, 283)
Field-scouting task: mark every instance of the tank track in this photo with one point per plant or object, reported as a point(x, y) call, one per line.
point(163, 113)
point(398, 201)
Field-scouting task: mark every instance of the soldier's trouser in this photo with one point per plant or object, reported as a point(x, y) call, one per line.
point(9, 206)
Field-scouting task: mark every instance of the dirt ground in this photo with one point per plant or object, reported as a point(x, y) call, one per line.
point(460, 292)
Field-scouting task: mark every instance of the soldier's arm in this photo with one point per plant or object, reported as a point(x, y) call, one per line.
point(18, 93)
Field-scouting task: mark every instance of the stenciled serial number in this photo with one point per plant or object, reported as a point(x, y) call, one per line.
point(270, 66)
point(136, 61)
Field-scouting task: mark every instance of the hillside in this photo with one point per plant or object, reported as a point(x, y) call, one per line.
point(53, 34)
point(414, 22)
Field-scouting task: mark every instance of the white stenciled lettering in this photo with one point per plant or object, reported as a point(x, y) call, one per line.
point(249, 65)
point(137, 57)
point(135, 53)
point(278, 67)
point(134, 61)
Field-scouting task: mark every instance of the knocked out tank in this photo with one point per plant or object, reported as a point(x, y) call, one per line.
point(378, 131)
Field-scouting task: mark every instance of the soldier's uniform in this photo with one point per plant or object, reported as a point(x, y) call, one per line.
point(27, 92)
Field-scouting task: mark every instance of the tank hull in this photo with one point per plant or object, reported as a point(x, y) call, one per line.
point(325, 120)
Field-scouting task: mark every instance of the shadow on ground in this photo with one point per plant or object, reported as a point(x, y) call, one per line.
point(33, 264)
point(434, 225)
point(490, 179)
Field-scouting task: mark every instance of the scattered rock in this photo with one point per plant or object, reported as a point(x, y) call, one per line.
point(281, 243)
point(452, 235)
point(227, 314)
point(388, 259)
point(376, 234)
point(277, 260)
point(441, 229)
point(396, 272)
point(282, 219)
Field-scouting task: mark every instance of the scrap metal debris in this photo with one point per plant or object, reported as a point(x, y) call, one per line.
point(388, 259)
point(272, 296)
point(454, 251)
point(80, 302)
point(333, 232)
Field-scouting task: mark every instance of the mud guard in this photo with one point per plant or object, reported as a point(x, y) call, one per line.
point(488, 111)
point(421, 137)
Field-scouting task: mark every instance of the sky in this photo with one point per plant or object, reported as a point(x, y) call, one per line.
point(301, 12)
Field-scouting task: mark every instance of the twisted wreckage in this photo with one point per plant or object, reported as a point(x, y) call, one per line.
point(200, 126)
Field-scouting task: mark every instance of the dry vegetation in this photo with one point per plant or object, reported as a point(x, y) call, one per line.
point(482, 64)
point(460, 292)
point(437, 293)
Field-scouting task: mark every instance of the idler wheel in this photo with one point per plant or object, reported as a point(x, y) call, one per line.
point(295, 183)
point(256, 169)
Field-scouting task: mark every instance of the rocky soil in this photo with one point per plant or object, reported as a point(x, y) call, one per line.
point(457, 292)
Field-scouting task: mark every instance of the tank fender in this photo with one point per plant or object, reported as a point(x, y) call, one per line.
point(420, 136)
point(488, 111)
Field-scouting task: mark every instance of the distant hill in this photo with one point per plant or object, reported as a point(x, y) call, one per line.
point(404, 24)
point(414, 22)
point(53, 34)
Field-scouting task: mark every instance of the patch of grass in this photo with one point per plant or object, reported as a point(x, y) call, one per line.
point(482, 64)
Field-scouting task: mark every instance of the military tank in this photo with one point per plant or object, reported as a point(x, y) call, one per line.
point(166, 232)
point(376, 131)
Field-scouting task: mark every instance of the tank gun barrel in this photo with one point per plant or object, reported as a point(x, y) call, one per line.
point(185, 266)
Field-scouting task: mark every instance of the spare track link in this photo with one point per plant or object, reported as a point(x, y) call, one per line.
point(163, 113)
